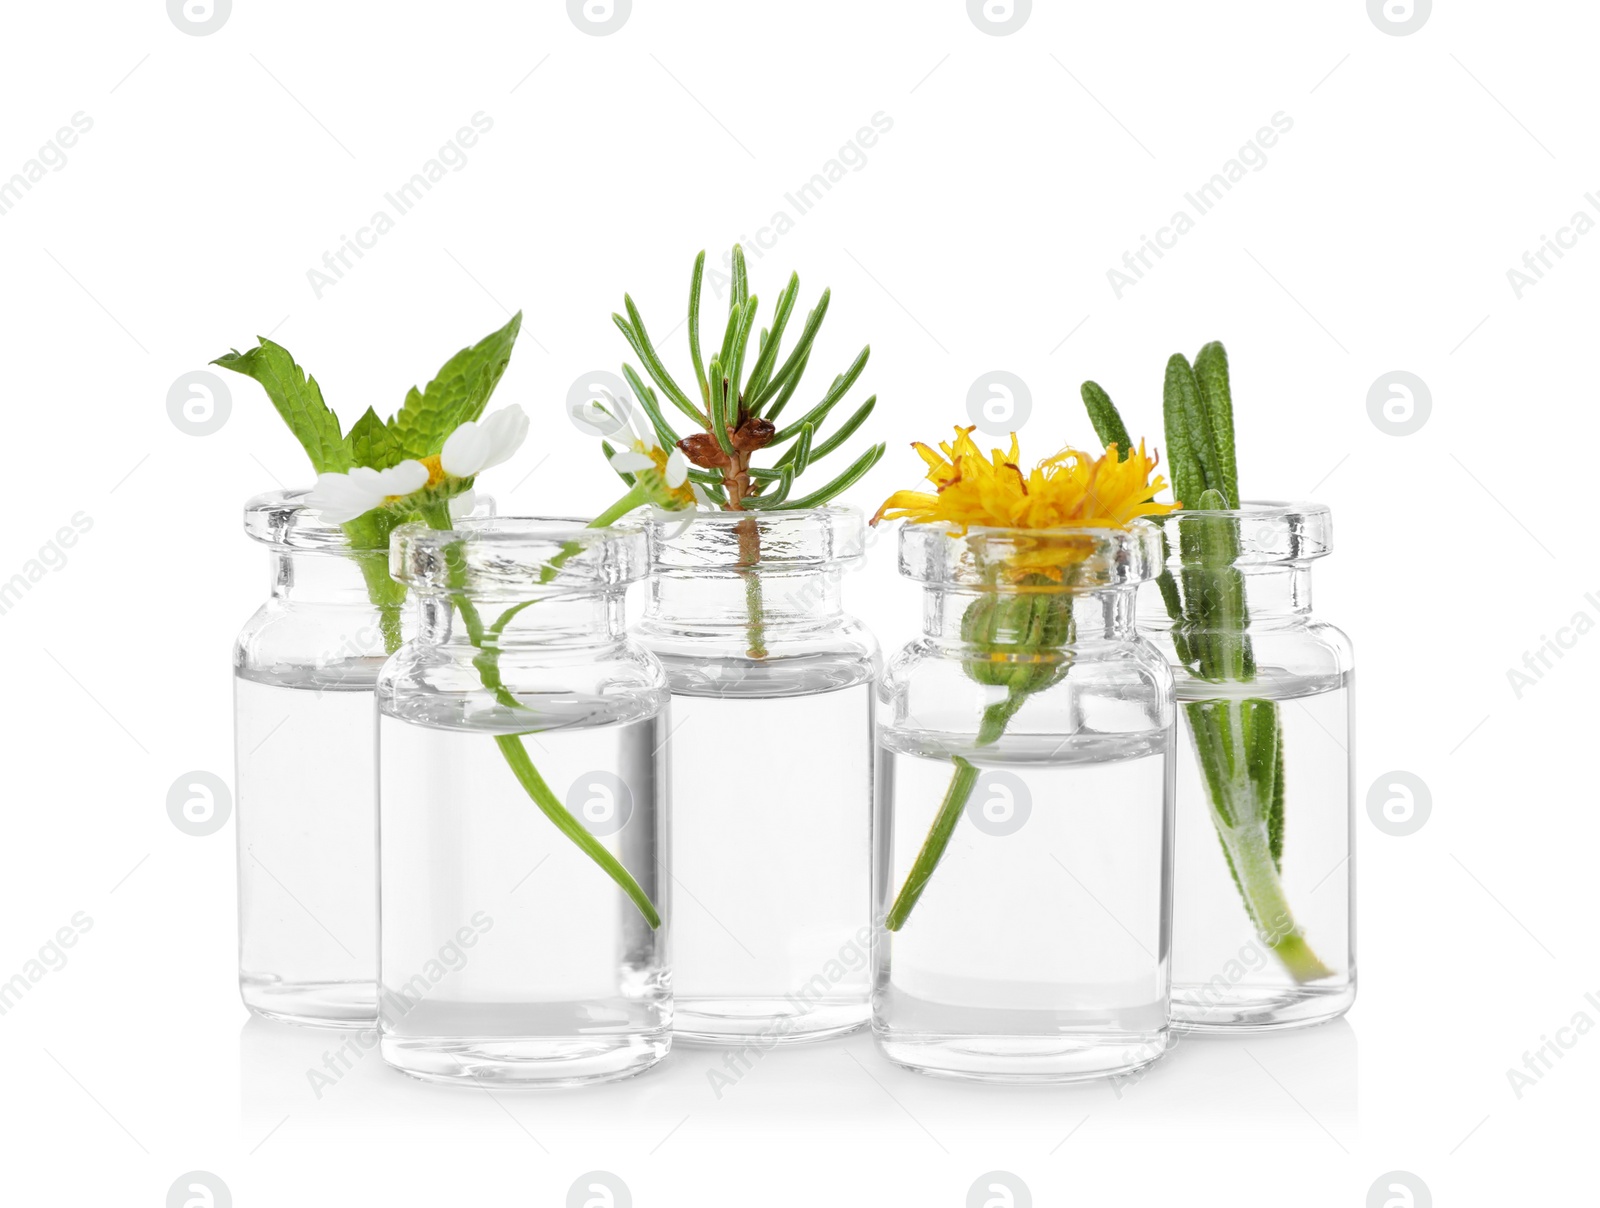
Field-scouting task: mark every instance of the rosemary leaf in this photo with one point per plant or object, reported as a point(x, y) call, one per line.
point(1216, 399)
point(1107, 421)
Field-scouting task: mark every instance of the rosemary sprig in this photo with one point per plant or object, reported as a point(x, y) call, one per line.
point(1238, 742)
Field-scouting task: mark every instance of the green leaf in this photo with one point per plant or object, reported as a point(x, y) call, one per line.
point(458, 392)
point(1103, 414)
point(374, 443)
point(1216, 399)
point(857, 469)
point(1188, 478)
point(797, 355)
point(694, 325)
point(761, 371)
point(298, 400)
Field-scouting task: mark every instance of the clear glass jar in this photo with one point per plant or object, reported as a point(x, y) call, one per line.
point(306, 769)
point(522, 757)
point(772, 771)
point(1025, 786)
point(1263, 905)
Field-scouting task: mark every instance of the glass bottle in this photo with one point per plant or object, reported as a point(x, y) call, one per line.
point(1264, 880)
point(522, 757)
point(305, 770)
point(1025, 785)
point(772, 771)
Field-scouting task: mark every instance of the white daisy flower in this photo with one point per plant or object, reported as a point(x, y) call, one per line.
point(469, 450)
point(342, 497)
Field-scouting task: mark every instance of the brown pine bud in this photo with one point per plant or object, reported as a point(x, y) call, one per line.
point(702, 449)
point(752, 434)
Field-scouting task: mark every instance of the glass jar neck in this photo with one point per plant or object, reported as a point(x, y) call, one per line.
point(325, 578)
point(1277, 594)
point(566, 621)
point(950, 615)
point(788, 599)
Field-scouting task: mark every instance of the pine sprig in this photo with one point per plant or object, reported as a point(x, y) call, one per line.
point(742, 394)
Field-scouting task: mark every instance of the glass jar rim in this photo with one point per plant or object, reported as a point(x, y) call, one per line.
point(704, 542)
point(512, 554)
point(942, 554)
point(283, 520)
point(1268, 531)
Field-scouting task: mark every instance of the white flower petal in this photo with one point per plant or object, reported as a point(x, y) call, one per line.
point(677, 469)
point(342, 497)
point(463, 504)
point(465, 450)
point(631, 463)
point(507, 429)
point(404, 478)
point(701, 496)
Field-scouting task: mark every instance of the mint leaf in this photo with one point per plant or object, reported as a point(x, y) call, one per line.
point(458, 392)
point(373, 443)
point(298, 399)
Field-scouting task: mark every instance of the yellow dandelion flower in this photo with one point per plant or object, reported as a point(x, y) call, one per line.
point(1069, 490)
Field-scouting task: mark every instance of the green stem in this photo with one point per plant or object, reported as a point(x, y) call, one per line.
point(749, 555)
point(517, 756)
point(1239, 745)
point(487, 663)
point(944, 826)
point(634, 498)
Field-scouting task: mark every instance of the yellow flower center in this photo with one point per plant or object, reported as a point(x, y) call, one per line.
point(435, 469)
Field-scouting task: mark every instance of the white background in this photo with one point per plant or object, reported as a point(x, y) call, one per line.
point(977, 236)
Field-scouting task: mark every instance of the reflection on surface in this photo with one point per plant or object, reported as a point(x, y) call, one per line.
point(1296, 1087)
